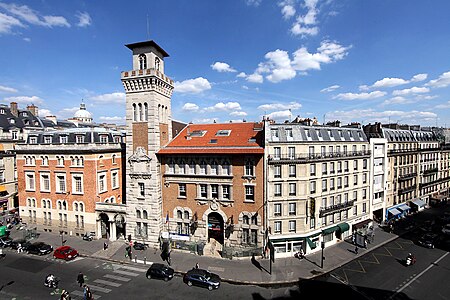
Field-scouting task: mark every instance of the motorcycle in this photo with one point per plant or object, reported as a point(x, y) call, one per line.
point(139, 246)
point(51, 281)
point(88, 236)
point(410, 260)
point(299, 255)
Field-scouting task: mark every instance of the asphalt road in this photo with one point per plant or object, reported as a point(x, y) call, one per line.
point(22, 276)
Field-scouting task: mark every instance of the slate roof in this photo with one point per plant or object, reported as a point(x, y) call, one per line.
point(25, 118)
point(402, 135)
point(225, 138)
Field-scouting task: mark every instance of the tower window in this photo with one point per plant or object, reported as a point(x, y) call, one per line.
point(157, 63)
point(142, 62)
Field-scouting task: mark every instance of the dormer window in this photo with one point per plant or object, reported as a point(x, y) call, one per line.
point(103, 139)
point(79, 139)
point(142, 62)
point(63, 139)
point(15, 135)
point(12, 121)
point(24, 114)
point(223, 133)
point(33, 139)
point(2, 111)
point(47, 139)
point(26, 122)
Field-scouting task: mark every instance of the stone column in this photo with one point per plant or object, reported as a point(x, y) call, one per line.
point(99, 229)
point(112, 230)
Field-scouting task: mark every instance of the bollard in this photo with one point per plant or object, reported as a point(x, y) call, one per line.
point(135, 258)
point(145, 260)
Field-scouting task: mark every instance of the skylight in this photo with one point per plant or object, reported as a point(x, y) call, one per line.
point(223, 133)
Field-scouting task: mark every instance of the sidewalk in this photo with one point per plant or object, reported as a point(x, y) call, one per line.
point(285, 271)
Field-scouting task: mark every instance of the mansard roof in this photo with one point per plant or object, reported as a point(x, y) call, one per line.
point(404, 135)
point(226, 138)
point(24, 119)
point(291, 132)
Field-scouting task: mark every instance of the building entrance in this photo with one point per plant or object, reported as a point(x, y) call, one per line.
point(215, 227)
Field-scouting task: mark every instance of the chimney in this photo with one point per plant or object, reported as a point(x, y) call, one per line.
point(14, 109)
point(51, 118)
point(33, 109)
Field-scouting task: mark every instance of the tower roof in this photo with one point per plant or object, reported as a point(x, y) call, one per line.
point(150, 43)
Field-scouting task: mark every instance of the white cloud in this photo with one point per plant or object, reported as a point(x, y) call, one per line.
point(43, 112)
point(280, 106)
point(84, 19)
point(413, 90)
point(25, 100)
point(370, 115)
point(26, 39)
point(397, 100)
point(419, 77)
point(443, 106)
point(115, 119)
point(442, 81)
point(30, 16)
point(253, 2)
point(360, 96)
point(304, 24)
point(279, 64)
point(190, 107)
point(205, 121)
point(7, 89)
point(288, 11)
point(8, 22)
point(389, 82)
point(364, 87)
point(241, 75)
point(196, 85)
point(117, 97)
point(255, 78)
point(222, 67)
point(220, 106)
point(280, 115)
point(330, 89)
point(328, 52)
point(245, 87)
point(238, 114)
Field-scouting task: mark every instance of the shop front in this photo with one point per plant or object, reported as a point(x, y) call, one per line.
point(417, 205)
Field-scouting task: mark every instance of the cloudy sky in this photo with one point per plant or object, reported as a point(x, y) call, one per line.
point(352, 60)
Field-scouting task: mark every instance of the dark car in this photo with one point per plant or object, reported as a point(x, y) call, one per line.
point(65, 252)
point(429, 240)
point(39, 248)
point(5, 242)
point(160, 271)
point(202, 278)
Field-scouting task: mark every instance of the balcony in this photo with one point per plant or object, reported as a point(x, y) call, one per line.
point(314, 157)
point(336, 208)
point(407, 176)
point(407, 189)
point(402, 151)
point(430, 171)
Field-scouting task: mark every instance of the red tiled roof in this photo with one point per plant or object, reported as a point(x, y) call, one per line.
point(242, 138)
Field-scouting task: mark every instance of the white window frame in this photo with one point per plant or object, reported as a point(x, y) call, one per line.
point(102, 181)
point(114, 179)
point(75, 184)
point(277, 209)
point(43, 178)
point(30, 183)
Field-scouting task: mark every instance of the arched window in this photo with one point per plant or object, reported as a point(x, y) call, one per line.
point(142, 62)
point(75, 206)
point(44, 204)
point(249, 168)
point(226, 168)
point(29, 202)
point(81, 207)
point(181, 167)
point(140, 118)
point(186, 215)
point(245, 220)
point(59, 205)
point(203, 168)
point(179, 214)
point(214, 168)
point(138, 214)
point(145, 111)
point(255, 220)
point(144, 214)
point(65, 205)
point(157, 63)
point(134, 112)
point(113, 158)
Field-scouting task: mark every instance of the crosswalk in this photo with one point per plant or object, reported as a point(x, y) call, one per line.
point(115, 278)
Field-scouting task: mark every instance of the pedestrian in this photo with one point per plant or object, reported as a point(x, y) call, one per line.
point(196, 265)
point(105, 245)
point(80, 278)
point(87, 293)
point(65, 295)
point(356, 250)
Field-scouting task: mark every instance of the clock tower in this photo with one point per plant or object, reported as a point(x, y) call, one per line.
point(148, 128)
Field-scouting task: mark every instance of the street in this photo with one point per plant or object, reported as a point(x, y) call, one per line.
point(22, 277)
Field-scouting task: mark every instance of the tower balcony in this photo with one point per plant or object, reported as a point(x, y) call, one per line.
point(144, 73)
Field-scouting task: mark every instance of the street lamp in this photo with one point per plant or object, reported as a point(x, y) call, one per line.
point(322, 245)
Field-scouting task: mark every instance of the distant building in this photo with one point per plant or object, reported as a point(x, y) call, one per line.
point(71, 181)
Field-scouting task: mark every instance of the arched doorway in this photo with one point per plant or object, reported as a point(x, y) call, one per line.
point(104, 225)
point(120, 226)
point(215, 227)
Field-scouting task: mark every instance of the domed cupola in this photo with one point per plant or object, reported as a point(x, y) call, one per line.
point(83, 115)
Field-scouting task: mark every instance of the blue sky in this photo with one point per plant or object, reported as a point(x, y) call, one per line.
point(352, 60)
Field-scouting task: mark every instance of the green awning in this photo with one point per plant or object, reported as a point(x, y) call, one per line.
point(343, 227)
point(2, 230)
point(330, 230)
point(311, 244)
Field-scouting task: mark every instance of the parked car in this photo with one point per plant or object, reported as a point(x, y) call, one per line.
point(38, 248)
point(5, 242)
point(65, 252)
point(429, 240)
point(446, 229)
point(160, 271)
point(202, 278)
point(88, 236)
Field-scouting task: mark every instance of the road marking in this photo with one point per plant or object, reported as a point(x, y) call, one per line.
point(117, 277)
point(421, 273)
point(216, 269)
point(75, 259)
point(105, 282)
point(130, 268)
point(125, 273)
point(81, 294)
point(99, 288)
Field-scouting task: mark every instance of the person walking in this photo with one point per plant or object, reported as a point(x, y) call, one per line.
point(356, 250)
point(80, 278)
point(196, 265)
point(105, 245)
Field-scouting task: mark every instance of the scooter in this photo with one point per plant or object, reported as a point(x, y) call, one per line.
point(299, 255)
point(51, 281)
point(410, 260)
